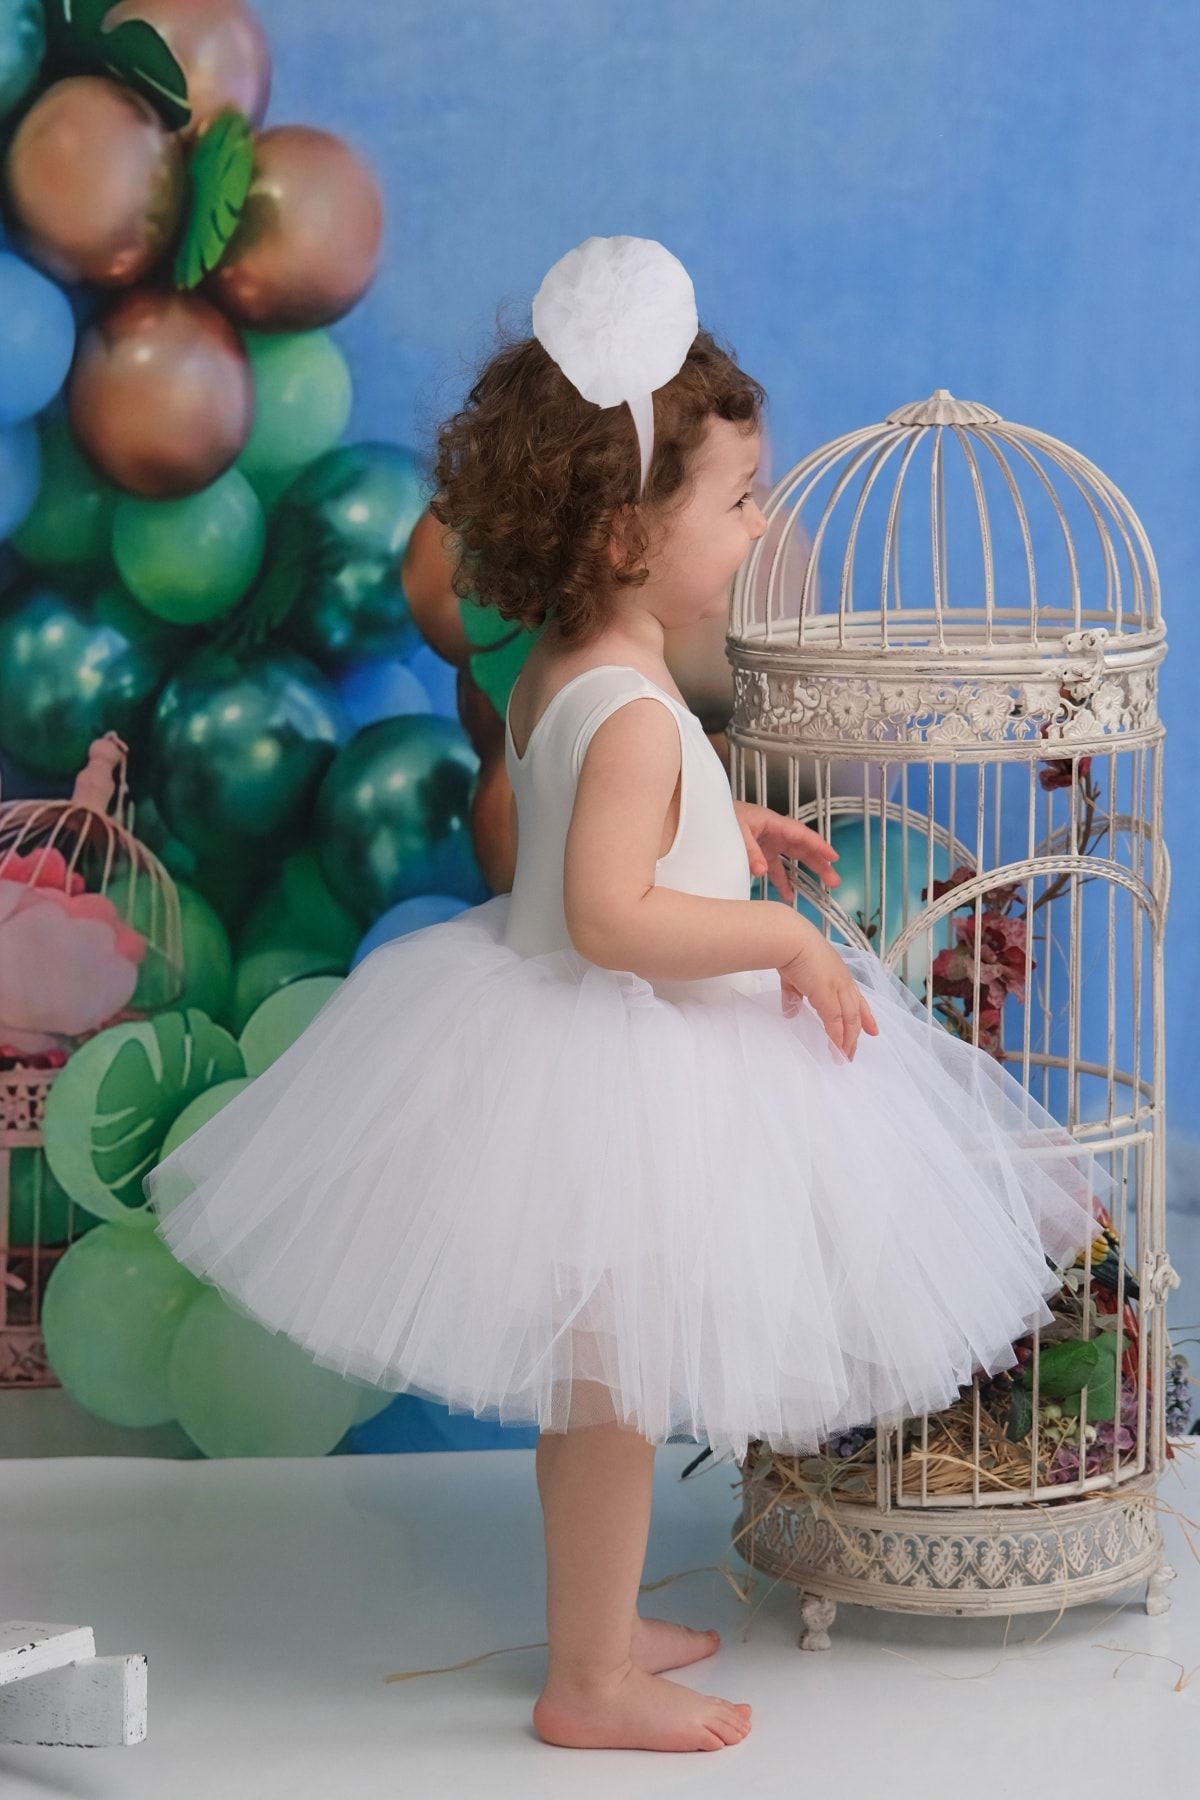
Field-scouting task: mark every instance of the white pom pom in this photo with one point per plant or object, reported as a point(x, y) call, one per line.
point(618, 315)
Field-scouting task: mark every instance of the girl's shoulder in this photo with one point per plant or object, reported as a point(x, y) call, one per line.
point(573, 694)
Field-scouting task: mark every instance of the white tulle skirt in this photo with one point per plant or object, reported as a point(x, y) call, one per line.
point(538, 1191)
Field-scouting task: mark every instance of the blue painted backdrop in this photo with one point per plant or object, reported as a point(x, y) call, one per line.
point(873, 200)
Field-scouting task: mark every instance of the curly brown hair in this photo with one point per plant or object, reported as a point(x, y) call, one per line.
point(534, 482)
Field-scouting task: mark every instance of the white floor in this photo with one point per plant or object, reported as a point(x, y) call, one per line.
point(272, 1596)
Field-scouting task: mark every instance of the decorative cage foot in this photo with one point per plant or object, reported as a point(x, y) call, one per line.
point(1157, 1599)
point(818, 1613)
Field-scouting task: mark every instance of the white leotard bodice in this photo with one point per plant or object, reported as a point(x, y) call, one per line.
point(708, 854)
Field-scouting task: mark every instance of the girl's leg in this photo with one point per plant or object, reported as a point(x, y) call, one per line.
point(596, 1487)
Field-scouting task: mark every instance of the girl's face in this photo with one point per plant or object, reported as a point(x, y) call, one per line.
point(705, 543)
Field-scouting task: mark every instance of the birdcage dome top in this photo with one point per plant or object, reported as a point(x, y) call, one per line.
point(946, 529)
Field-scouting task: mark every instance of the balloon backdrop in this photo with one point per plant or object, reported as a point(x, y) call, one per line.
point(307, 243)
point(409, 915)
point(20, 472)
point(299, 909)
point(198, 1112)
point(95, 182)
point(37, 340)
point(240, 1390)
point(39, 1207)
point(70, 522)
point(275, 1025)
point(161, 396)
point(263, 973)
point(207, 956)
point(302, 399)
point(338, 537)
point(238, 748)
point(189, 560)
point(221, 48)
point(69, 672)
point(393, 815)
point(110, 1315)
point(380, 690)
point(22, 46)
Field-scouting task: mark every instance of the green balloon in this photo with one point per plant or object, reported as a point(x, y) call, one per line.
point(231, 885)
point(39, 1207)
point(198, 1112)
point(238, 748)
point(69, 672)
point(110, 1315)
point(190, 560)
point(278, 1022)
point(302, 399)
point(240, 1389)
point(264, 972)
point(71, 521)
point(338, 537)
point(112, 1103)
point(298, 908)
point(207, 956)
point(393, 815)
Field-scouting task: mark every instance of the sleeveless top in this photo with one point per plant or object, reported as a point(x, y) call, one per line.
point(707, 855)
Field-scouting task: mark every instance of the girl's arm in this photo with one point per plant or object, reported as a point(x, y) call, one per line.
point(615, 915)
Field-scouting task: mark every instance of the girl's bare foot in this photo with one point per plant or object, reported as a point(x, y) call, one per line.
point(634, 1710)
point(658, 1644)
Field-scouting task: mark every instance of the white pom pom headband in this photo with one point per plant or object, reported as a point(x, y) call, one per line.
point(618, 316)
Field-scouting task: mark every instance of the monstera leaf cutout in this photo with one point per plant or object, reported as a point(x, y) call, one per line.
point(110, 1108)
point(219, 175)
point(133, 53)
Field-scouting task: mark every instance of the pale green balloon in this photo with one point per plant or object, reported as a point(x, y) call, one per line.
point(109, 1317)
point(302, 400)
point(190, 560)
point(71, 522)
point(198, 1112)
point(283, 1015)
point(240, 1389)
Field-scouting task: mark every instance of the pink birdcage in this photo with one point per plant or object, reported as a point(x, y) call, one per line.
point(90, 935)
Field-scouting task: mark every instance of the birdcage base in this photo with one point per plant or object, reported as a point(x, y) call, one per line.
point(955, 1561)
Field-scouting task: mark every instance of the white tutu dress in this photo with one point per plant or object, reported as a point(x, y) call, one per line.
point(497, 1175)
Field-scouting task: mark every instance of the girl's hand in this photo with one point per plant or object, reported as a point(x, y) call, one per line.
point(768, 834)
point(816, 972)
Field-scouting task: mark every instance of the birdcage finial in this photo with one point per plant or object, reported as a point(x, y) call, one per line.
point(942, 408)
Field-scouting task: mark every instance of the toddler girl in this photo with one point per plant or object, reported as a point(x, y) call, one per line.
point(625, 1153)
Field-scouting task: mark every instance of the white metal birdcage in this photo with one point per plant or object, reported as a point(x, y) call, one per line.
point(965, 612)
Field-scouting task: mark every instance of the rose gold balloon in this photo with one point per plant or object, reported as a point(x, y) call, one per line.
point(161, 394)
point(96, 182)
point(221, 48)
point(307, 244)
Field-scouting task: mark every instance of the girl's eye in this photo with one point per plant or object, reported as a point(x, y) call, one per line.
point(743, 501)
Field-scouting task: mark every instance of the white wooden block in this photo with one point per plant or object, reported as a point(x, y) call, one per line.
point(96, 1703)
point(29, 1648)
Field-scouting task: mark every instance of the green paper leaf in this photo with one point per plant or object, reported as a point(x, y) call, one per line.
point(133, 53)
point(113, 1103)
point(219, 175)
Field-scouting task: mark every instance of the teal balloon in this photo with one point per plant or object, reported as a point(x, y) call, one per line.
point(70, 672)
point(22, 47)
point(70, 525)
point(189, 560)
point(302, 400)
point(238, 748)
point(852, 896)
point(110, 1315)
point(393, 815)
point(338, 537)
point(240, 1389)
